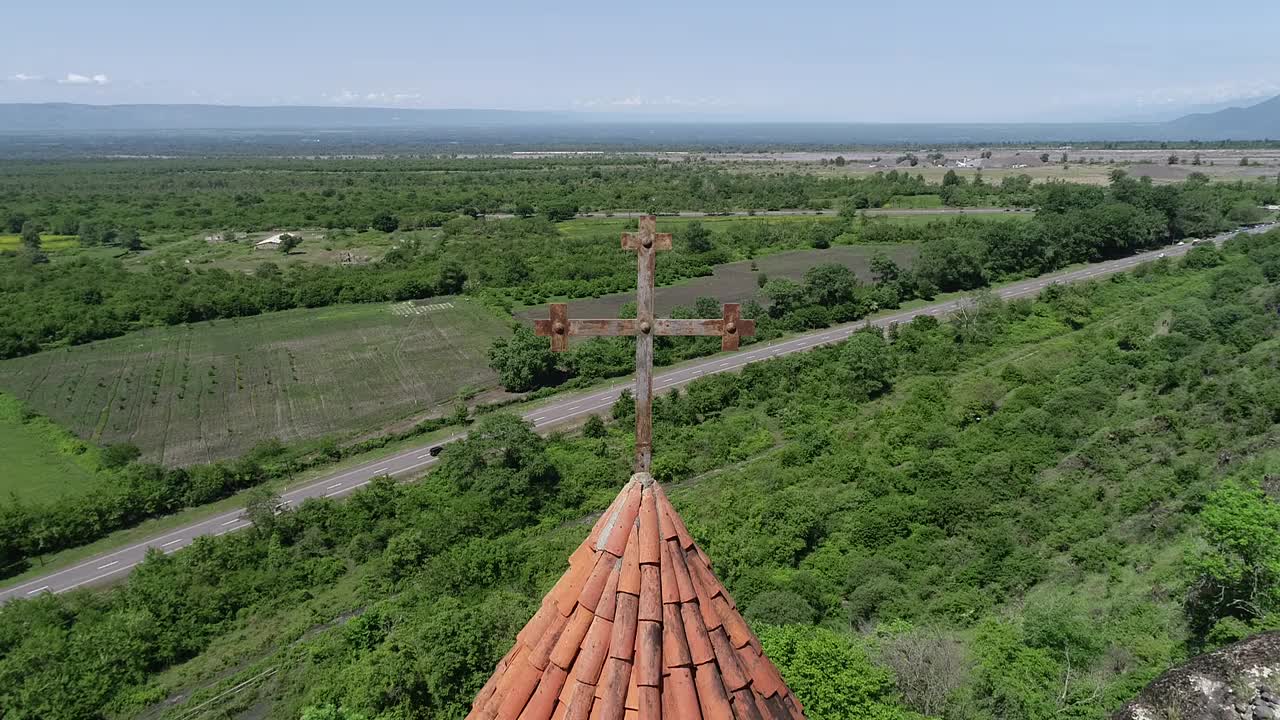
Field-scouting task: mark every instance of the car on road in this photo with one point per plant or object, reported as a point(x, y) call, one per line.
point(435, 451)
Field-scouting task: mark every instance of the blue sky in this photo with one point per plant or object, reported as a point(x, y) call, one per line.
point(855, 61)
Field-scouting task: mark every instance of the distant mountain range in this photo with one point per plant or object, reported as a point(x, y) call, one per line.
point(40, 117)
point(1256, 122)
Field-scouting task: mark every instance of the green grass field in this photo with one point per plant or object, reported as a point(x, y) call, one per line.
point(202, 392)
point(41, 460)
point(47, 242)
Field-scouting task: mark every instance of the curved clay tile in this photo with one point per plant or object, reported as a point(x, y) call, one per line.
point(638, 627)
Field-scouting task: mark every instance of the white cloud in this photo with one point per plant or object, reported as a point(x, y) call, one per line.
point(641, 101)
point(78, 79)
point(24, 77)
point(347, 97)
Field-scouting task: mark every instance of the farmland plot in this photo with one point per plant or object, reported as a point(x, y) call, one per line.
point(212, 390)
point(737, 282)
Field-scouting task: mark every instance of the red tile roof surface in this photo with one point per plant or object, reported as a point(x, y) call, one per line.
point(639, 627)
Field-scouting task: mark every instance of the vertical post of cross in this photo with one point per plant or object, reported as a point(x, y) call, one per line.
point(646, 243)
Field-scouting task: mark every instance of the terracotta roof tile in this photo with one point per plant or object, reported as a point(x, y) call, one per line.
point(622, 643)
point(675, 645)
point(695, 634)
point(609, 599)
point(711, 694)
point(638, 628)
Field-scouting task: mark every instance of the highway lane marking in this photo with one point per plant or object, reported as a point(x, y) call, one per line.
point(232, 520)
point(171, 542)
point(113, 562)
point(232, 529)
point(42, 588)
point(424, 455)
point(95, 578)
point(87, 563)
point(337, 484)
point(380, 470)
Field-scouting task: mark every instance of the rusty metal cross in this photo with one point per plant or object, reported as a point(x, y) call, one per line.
point(730, 327)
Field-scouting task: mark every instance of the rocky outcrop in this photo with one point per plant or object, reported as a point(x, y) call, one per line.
point(1238, 682)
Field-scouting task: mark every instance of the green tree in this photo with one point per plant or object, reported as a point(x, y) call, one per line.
point(1238, 574)
point(785, 296)
point(385, 222)
point(594, 427)
point(119, 455)
point(624, 408)
point(884, 269)
point(834, 676)
point(288, 242)
point(697, 238)
point(830, 284)
point(89, 234)
point(867, 364)
point(1014, 682)
point(780, 607)
point(261, 508)
point(523, 362)
point(560, 210)
point(31, 236)
point(130, 240)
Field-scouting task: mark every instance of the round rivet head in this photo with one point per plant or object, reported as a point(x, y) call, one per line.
point(647, 242)
point(645, 327)
point(731, 328)
point(558, 327)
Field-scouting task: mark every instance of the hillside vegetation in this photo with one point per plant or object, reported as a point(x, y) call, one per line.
point(1023, 513)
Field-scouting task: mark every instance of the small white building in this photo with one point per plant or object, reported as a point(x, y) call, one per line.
point(271, 243)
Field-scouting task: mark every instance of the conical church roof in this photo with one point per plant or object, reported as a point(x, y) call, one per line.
point(638, 627)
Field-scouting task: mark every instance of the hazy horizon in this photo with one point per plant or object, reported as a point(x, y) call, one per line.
point(817, 61)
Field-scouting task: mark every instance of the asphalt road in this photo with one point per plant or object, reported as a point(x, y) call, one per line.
point(561, 410)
